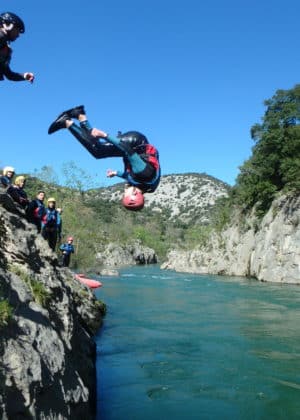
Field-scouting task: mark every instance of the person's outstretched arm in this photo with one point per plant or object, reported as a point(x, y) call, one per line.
point(16, 77)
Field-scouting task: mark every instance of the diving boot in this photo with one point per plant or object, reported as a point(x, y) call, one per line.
point(59, 123)
point(75, 112)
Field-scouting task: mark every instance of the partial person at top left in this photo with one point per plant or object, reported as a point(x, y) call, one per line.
point(11, 26)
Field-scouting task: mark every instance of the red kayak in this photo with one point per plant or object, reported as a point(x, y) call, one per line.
point(93, 284)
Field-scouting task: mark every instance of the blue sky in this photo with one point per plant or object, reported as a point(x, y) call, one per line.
point(192, 75)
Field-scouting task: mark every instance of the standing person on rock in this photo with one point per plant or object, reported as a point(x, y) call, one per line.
point(36, 210)
point(67, 249)
point(50, 223)
point(141, 159)
point(7, 177)
point(11, 26)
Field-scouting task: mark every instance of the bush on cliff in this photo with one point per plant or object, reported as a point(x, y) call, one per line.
point(6, 312)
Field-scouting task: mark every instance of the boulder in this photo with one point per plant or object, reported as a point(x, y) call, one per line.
point(116, 255)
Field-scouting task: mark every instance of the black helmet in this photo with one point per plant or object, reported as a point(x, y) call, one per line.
point(11, 18)
point(135, 138)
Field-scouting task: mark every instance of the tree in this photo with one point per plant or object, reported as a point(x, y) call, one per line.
point(275, 162)
point(46, 174)
point(77, 178)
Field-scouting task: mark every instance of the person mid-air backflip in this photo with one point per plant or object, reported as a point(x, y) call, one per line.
point(141, 159)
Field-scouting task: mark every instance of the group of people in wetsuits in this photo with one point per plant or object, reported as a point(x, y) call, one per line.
point(47, 218)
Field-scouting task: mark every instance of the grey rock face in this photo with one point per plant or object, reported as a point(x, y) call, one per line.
point(268, 252)
point(47, 352)
point(116, 255)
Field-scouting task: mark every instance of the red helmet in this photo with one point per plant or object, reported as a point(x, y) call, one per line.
point(134, 200)
point(70, 238)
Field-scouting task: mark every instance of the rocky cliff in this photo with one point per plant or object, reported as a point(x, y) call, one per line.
point(116, 255)
point(47, 322)
point(268, 250)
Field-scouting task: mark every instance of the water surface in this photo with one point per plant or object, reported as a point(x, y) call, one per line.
point(180, 346)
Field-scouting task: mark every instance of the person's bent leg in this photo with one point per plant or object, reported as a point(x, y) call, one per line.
point(93, 145)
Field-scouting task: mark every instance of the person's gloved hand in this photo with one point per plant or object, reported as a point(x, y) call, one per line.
point(29, 77)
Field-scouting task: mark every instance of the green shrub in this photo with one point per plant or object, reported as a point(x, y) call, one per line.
point(197, 235)
point(6, 313)
point(40, 294)
point(38, 290)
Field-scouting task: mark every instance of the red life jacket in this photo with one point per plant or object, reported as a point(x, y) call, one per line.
point(151, 155)
point(38, 211)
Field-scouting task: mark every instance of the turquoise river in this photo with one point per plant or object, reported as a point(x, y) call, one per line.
point(184, 346)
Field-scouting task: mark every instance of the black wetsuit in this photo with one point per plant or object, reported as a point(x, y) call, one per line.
point(141, 174)
point(5, 57)
point(35, 211)
point(67, 250)
point(5, 181)
point(49, 227)
point(18, 195)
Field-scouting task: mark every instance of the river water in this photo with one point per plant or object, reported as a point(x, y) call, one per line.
point(182, 346)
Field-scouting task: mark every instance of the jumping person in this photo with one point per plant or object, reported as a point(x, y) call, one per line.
point(7, 177)
point(141, 159)
point(11, 26)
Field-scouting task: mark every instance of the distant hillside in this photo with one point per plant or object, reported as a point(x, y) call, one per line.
point(185, 197)
point(179, 212)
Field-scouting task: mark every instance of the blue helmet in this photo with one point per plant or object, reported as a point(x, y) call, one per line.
point(12, 19)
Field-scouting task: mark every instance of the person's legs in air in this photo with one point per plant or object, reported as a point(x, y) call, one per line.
point(82, 133)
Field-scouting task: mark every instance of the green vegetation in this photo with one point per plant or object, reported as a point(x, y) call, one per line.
point(275, 162)
point(38, 290)
point(95, 222)
point(6, 313)
point(102, 307)
point(6, 310)
point(197, 235)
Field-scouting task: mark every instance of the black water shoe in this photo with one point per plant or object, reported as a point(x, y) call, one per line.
point(75, 112)
point(59, 123)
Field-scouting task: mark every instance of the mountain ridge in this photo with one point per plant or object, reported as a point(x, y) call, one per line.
point(185, 196)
